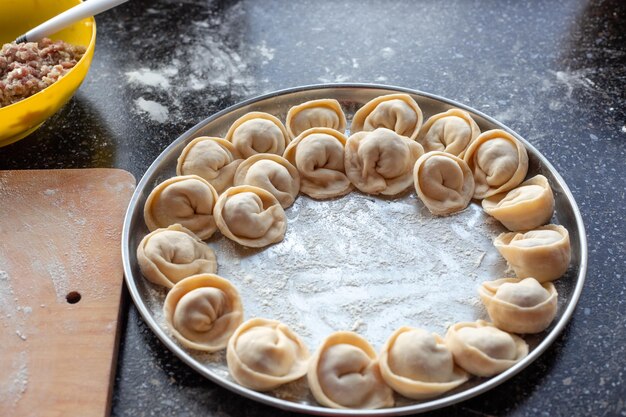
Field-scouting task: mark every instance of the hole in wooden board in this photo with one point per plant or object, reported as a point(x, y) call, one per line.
point(73, 297)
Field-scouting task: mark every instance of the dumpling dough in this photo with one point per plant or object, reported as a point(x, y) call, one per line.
point(273, 173)
point(318, 155)
point(250, 216)
point(315, 113)
point(265, 354)
point(166, 256)
point(418, 364)
point(543, 253)
point(523, 208)
point(398, 112)
point(443, 182)
point(203, 311)
point(381, 161)
point(498, 161)
point(258, 132)
point(187, 200)
point(213, 159)
point(519, 306)
point(482, 349)
point(450, 132)
point(344, 373)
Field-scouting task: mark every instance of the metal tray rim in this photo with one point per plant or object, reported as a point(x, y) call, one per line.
point(317, 410)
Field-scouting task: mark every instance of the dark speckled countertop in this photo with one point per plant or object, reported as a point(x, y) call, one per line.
point(553, 71)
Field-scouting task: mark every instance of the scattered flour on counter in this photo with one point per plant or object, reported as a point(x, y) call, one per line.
point(156, 111)
point(150, 78)
point(50, 192)
point(13, 387)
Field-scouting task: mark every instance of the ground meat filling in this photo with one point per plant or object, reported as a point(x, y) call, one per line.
point(27, 68)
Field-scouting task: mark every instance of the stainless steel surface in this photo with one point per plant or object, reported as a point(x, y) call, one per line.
point(358, 262)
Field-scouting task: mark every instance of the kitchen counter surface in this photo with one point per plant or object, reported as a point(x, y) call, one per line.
point(555, 72)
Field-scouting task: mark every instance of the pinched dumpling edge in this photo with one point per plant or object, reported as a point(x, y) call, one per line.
point(552, 261)
point(526, 214)
point(203, 281)
point(476, 362)
point(454, 112)
point(236, 159)
point(412, 388)
point(350, 338)
point(327, 103)
point(517, 319)
point(358, 120)
point(151, 271)
point(394, 186)
point(242, 171)
point(259, 115)
point(258, 381)
point(435, 206)
point(276, 233)
point(515, 179)
point(153, 225)
point(319, 193)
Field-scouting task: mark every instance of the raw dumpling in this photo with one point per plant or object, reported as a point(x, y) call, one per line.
point(315, 113)
point(519, 306)
point(450, 132)
point(258, 132)
point(187, 200)
point(203, 311)
point(398, 112)
point(273, 173)
point(543, 253)
point(344, 373)
point(523, 208)
point(250, 216)
point(484, 350)
point(213, 159)
point(418, 364)
point(166, 256)
point(498, 161)
point(381, 161)
point(318, 155)
point(443, 182)
point(265, 354)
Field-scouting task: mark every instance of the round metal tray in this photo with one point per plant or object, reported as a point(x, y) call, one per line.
point(358, 262)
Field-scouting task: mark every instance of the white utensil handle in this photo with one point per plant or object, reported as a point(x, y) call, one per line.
point(76, 13)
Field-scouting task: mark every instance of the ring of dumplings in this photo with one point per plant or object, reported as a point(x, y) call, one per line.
point(247, 180)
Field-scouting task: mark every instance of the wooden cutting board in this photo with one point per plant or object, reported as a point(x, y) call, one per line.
point(60, 289)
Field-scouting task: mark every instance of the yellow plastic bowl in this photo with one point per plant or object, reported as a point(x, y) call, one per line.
point(18, 16)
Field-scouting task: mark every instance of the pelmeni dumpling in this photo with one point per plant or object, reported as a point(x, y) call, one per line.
point(166, 256)
point(315, 113)
point(203, 311)
point(214, 159)
point(398, 112)
point(273, 173)
point(451, 132)
point(258, 132)
point(519, 306)
point(543, 253)
point(498, 161)
point(187, 200)
point(443, 182)
point(318, 155)
point(484, 350)
point(523, 208)
point(250, 216)
point(381, 161)
point(265, 354)
point(344, 373)
point(418, 364)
